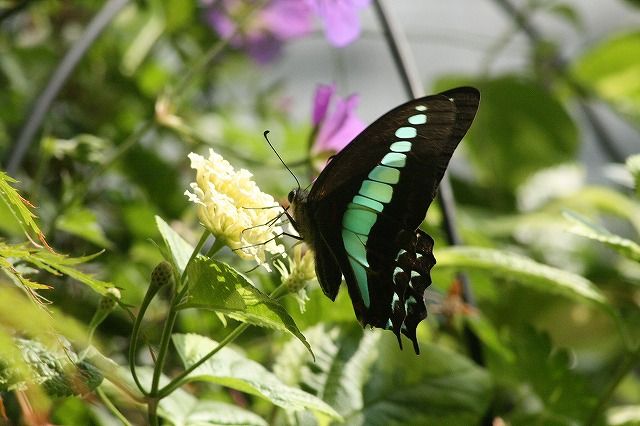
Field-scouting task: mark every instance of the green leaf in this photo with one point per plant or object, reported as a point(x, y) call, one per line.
point(370, 381)
point(611, 68)
point(342, 367)
point(525, 271)
point(19, 207)
point(58, 372)
point(183, 409)
point(84, 224)
point(562, 395)
point(520, 128)
point(179, 249)
point(633, 165)
point(231, 369)
point(582, 226)
point(217, 286)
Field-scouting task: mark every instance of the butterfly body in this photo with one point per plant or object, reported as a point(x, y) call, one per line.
point(361, 216)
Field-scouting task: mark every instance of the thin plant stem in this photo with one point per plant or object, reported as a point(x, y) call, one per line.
point(111, 407)
point(60, 76)
point(407, 70)
point(177, 381)
point(196, 251)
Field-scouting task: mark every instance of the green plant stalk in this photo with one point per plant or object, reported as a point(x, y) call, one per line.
point(177, 381)
point(133, 344)
point(111, 407)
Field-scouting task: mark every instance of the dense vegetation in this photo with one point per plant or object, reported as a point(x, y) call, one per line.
point(132, 296)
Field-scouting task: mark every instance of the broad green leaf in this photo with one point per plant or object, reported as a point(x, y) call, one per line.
point(217, 286)
point(179, 249)
point(344, 358)
point(520, 128)
point(370, 381)
point(612, 68)
point(229, 368)
point(84, 224)
point(59, 372)
point(19, 207)
point(183, 409)
point(523, 270)
point(582, 226)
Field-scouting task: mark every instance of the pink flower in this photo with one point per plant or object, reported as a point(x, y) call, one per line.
point(333, 130)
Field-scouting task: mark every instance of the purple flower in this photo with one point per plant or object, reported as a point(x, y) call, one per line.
point(339, 18)
point(263, 35)
point(333, 130)
point(266, 30)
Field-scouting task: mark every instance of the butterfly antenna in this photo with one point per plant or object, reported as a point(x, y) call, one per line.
point(266, 132)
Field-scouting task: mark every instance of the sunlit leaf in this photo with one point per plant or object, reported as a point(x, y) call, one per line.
point(582, 226)
point(523, 270)
point(183, 409)
point(218, 287)
point(229, 368)
point(179, 249)
point(611, 69)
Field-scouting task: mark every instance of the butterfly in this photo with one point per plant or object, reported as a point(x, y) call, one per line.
point(362, 215)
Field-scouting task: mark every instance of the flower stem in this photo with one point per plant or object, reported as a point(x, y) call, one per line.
point(195, 253)
point(112, 408)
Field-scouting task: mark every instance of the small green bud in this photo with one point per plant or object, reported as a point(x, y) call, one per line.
point(161, 275)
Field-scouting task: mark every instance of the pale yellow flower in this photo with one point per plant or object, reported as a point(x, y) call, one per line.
point(233, 208)
point(301, 270)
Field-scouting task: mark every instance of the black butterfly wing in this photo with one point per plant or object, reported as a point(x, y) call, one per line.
point(368, 202)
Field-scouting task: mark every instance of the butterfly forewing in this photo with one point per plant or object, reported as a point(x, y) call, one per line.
point(364, 209)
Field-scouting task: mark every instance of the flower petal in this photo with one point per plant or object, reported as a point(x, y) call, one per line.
point(340, 19)
point(321, 99)
point(340, 127)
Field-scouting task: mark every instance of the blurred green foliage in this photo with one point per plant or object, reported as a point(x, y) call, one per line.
point(553, 258)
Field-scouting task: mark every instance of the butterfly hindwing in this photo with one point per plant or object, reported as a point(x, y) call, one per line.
point(363, 211)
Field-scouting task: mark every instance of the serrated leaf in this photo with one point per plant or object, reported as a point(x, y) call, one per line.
point(183, 409)
point(611, 68)
point(179, 249)
point(523, 270)
point(19, 207)
point(229, 368)
point(84, 224)
point(217, 286)
point(582, 226)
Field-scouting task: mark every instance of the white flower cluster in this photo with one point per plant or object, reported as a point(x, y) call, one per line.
point(301, 270)
point(233, 208)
